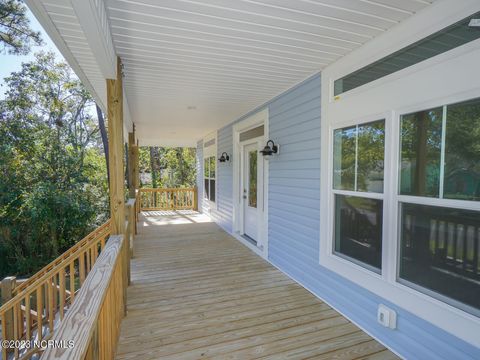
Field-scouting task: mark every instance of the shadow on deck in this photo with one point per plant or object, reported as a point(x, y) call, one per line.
point(197, 292)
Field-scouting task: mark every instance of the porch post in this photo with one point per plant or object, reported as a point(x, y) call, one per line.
point(7, 286)
point(115, 151)
point(115, 164)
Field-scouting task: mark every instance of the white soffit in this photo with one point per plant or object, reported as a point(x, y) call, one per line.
point(192, 66)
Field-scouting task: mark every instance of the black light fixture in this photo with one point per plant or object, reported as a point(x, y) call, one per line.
point(269, 150)
point(224, 157)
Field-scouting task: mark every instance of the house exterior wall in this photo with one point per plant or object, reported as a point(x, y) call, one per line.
point(444, 79)
point(294, 231)
point(222, 213)
point(299, 121)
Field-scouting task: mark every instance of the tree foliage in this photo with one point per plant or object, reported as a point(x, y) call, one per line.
point(168, 166)
point(16, 35)
point(53, 187)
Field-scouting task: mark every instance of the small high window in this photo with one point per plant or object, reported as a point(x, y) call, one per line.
point(444, 40)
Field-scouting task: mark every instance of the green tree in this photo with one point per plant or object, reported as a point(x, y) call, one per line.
point(53, 176)
point(16, 35)
point(168, 167)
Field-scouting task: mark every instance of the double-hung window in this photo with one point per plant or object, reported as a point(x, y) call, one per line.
point(209, 170)
point(439, 203)
point(209, 164)
point(358, 172)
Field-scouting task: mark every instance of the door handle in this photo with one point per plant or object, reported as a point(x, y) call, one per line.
point(244, 196)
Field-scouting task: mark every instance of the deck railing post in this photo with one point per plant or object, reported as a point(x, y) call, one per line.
point(8, 285)
point(195, 198)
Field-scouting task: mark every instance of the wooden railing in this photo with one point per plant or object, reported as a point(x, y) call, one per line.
point(43, 299)
point(168, 199)
point(101, 231)
point(93, 322)
point(86, 285)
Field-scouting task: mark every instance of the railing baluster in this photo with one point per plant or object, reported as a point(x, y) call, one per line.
point(88, 260)
point(21, 324)
point(28, 318)
point(39, 295)
point(55, 291)
point(50, 305)
point(16, 310)
point(81, 268)
point(61, 284)
point(72, 280)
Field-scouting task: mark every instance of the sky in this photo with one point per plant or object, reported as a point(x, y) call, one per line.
point(10, 63)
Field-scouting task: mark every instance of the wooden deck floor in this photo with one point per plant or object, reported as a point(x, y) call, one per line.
point(198, 293)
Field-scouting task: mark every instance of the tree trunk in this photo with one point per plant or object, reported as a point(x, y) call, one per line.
point(153, 171)
point(103, 133)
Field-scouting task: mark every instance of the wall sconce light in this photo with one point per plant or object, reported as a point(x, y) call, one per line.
point(270, 150)
point(224, 157)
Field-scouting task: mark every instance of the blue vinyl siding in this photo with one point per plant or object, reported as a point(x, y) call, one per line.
point(294, 232)
point(294, 229)
point(223, 213)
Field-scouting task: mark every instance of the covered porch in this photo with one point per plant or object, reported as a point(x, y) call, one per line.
point(196, 292)
point(162, 280)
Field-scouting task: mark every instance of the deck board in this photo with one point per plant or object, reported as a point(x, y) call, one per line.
point(197, 292)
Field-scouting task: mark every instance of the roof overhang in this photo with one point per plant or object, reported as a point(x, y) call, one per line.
point(193, 66)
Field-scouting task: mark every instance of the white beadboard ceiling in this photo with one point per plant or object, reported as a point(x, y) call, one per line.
point(192, 66)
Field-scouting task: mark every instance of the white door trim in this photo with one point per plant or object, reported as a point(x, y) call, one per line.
point(257, 119)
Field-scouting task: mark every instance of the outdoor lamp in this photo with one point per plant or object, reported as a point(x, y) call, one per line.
point(269, 150)
point(224, 157)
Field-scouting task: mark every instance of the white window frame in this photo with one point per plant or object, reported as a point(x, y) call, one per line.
point(386, 284)
point(208, 152)
point(360, 194)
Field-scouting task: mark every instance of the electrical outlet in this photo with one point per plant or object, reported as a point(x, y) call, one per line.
point(387, 317)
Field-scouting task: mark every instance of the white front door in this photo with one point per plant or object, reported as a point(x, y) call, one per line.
point(252, 183)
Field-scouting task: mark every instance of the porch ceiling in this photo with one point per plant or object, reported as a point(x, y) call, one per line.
point(192, 66)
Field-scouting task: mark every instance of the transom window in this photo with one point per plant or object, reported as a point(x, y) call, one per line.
point(358, 167)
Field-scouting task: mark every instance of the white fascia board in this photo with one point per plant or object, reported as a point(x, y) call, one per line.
point(92, 16)
point(42, 16)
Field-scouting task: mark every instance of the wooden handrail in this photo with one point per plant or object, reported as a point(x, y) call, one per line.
point(93, 322)
point(49, 294)
point(168, 199)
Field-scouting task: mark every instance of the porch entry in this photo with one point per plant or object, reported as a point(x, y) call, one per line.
point(249, 182)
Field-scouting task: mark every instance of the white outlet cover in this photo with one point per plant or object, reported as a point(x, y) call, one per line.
point(387, 317)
